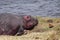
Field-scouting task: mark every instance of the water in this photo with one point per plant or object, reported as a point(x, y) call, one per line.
point(31, 7)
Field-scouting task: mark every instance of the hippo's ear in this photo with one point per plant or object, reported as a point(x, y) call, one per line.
point(27, 18)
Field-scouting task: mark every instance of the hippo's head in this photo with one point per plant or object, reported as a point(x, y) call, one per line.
point(30, 22)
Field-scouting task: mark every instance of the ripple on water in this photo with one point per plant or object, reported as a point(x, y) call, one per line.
point(32, 7)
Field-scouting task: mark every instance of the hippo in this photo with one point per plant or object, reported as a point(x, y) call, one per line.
point(12, 24)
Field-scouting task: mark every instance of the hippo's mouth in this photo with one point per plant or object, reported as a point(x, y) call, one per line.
point(28, 27)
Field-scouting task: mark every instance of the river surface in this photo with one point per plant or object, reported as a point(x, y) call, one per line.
point(31, 7)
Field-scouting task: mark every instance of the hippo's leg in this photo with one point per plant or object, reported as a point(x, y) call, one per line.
point(20, 31)
point(1, 31)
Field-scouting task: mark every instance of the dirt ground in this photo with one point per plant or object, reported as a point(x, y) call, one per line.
point(47, 29)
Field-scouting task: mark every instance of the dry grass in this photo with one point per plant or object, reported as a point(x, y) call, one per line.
point(31, 36)
point(41, 31)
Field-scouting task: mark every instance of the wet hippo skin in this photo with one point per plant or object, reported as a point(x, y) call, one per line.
point(12, 24)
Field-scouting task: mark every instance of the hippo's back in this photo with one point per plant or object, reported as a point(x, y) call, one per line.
point(8, 22)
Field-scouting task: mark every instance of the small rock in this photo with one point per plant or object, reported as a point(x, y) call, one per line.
point(50, 21)
point(58, 21)
point(50, 25)
point(37, 38)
